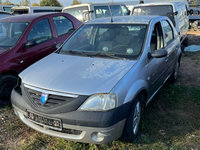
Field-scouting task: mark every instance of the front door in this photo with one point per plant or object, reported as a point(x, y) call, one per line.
point(157, 67)
point(42, 40)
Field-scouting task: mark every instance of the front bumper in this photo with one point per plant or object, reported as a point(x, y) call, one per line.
point(87, 127)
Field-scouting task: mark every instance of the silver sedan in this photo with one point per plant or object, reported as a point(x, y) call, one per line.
point(94, 87)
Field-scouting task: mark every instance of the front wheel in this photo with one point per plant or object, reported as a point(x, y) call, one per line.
point(133, 122)
point(7, 83)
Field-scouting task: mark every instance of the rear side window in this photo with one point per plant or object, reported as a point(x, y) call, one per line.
point(168, 32)
point(40, 32)
point(63, 25)
point(116, 10)
point(160, 10)
point(101, 11)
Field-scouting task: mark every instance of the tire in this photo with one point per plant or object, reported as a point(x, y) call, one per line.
point(7, 83)
point(175, 73)
point(133, 122)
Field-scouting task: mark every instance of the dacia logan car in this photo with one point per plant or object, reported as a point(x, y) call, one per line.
point(25, 39)
point(94, 88)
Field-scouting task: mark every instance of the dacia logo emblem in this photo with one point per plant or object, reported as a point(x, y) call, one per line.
point(44, 98)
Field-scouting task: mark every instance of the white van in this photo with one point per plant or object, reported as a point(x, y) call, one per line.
point(176, 11)
point(90, 11)
point(28, 10)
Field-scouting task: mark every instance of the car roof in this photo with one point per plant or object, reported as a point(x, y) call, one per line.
point(27, 17)
point(124, 19)
point(160, 3)
point(95, 4)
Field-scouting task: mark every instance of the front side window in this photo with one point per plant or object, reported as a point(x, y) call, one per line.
point(161, 10)
point(121, 40)
point(10, 33)
point(40, 32)
point(63, 25)
point(157, 42)
point(116, 10)
point(168, 32)
point(101, 11)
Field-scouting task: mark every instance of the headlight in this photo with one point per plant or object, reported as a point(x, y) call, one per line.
point(100, 102)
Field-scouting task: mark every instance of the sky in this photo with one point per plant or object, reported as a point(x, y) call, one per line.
point(64, 2)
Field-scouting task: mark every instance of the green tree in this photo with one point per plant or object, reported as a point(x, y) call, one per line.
point(194, 3)
point(50, 3)
point(76, 2)
point(25, 3)
point(35, 4)
point(7, 2)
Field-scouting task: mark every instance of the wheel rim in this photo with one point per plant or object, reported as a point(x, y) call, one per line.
point(136, 117)
point(176, 71)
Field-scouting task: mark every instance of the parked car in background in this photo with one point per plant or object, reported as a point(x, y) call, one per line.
point(93, 89)
point(176, 11)
point(25, 39)
point(17, 10)
point(4, 14)
point(90, 11)
point(6, 8)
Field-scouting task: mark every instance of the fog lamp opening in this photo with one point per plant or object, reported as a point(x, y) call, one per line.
point(97, 136)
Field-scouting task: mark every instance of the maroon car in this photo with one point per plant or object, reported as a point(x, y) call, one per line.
point(25, 39)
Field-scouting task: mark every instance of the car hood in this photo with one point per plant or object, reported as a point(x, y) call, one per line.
point(76, 74)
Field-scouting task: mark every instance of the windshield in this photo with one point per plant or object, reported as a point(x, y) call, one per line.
point(116, 40)
point(161, 10)
point(10, 32)
point(77, 12)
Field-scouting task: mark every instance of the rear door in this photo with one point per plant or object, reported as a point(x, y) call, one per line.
point(41, 34)
point(170, 44)
point(63, 27)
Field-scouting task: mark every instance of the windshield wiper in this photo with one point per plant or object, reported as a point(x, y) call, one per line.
point(74, 52)
point(103, 54)
point(92, 54)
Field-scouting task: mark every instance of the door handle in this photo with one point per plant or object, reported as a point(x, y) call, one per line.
point(21, 61)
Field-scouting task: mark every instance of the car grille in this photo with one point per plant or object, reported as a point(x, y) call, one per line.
point(53, 100)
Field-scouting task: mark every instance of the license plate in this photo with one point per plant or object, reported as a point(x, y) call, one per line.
point(45, 121)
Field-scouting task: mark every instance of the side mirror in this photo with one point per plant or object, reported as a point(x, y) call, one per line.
point(129, 12)
point(158, 54)
point(58, 45)
point(175, 13)
point(191, 12)
point(85, 15)
point(29, 44)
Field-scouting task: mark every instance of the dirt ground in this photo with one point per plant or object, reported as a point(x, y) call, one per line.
point(13, 131)
point(190, 63)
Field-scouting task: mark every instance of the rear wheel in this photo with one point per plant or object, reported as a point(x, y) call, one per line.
point(133, 122)
point(175, 74)
point(7, 83)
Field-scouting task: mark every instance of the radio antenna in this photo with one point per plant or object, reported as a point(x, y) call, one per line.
point(111, 16)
